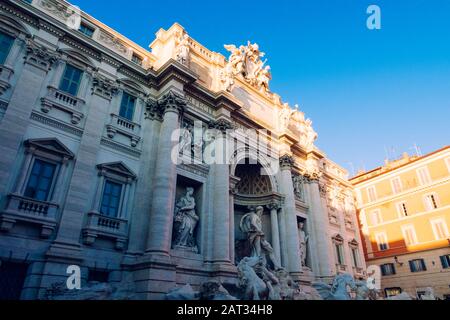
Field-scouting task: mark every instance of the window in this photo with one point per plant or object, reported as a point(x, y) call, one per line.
point(417, 265)
point(339, 253)
point(40, 180)
point(391, 292)
point(439, 229)
point(127, 106)
point(111, 199)
point(6, 42)
point(136, 59)
point(355, 256)
point(431, 202)
point(71, 80)
point(88, 31)
point(445, 261)
point(375, 217)
point(396, 184)
point(372, 194)
point(387, 269)
point(409, 235)
point(402, 209)
point(424, 176)
point(382, 242)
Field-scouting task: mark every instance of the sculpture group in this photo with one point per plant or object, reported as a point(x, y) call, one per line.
point(246, 62)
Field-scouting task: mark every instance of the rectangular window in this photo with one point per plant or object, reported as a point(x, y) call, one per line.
point(375, 217)
point(396, 184)
point(127, 106)
point(431, 202)
point(71, 80)
point(387, 269)
point(417, 265)
point(409, 235)
point(402, 209)
point(439, 229)
point(355, 257)
point(371, 194)
point(136, 59)
point(424, 176)
point(111, 199)
point(339, 253)
point(382, 242)
point(445, 261)
point(6, 42)
point(40, 180)
point(88, 31)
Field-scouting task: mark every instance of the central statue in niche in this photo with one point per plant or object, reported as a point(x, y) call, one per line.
point(251, 225)
point(185, 222)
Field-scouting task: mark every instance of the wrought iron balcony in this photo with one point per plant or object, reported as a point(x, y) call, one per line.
point(28, 210)
point(99, 225)
point(125, 127)
point(64, 101)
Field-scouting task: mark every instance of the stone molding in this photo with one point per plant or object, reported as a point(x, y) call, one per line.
point(40, 56)
point(104, 87)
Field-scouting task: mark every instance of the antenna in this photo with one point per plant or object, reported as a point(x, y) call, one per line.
point(418, 151)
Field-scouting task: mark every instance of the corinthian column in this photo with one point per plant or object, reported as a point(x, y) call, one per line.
point(292, 241)
point(319, 219)
point(221, 186)
point(164, 181)
point(273, 207)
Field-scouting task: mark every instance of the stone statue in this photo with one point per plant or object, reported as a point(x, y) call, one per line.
point(186, 141)
point(338, 290)
point(298, 187)
point(303, 239)
point(311, 135)
point(429, 294)
point(251, 225)
point(183, 49)
point(255, 280)
point(264, 77)
point(246, 62)
point(285, 117)
point(185, 221)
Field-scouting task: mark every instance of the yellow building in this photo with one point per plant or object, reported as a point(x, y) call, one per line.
point(404, 214)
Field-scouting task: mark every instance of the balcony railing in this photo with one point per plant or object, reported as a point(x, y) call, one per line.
point(124, 126)
point(28, 210)
point(64, 101)
point(99, 225)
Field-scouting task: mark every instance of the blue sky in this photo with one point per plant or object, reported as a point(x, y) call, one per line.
point(366, 91)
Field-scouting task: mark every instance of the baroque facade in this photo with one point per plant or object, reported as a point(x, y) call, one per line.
point(404, 211)
point(87, 177)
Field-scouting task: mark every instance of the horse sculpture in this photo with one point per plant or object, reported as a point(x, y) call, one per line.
point(338, 290)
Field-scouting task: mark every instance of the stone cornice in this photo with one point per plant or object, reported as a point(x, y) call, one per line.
point(173, 70)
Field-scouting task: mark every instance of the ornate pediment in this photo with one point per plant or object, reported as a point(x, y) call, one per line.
point(118, 168)
point(51, 145)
